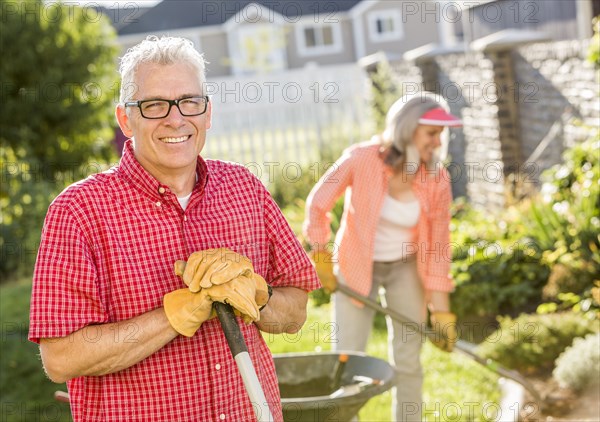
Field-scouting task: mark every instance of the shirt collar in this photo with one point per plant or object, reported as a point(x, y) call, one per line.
point(144, 181)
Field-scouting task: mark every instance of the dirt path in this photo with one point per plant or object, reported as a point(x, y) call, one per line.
point(586, 408)
point(564, 405)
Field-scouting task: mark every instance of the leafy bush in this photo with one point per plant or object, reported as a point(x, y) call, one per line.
point(594, 49)
point(385, 90)
point(579, 364)
point(534, 251)
point(497, 270)
point(566, 222)
point(531, 343)
point(58, 84)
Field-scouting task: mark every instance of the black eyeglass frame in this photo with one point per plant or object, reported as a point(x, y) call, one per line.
point(172, 103)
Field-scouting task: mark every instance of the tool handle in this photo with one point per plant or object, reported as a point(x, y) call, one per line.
point(240, 354)
point(238, 348)
point(231, 328)
point(463, 346)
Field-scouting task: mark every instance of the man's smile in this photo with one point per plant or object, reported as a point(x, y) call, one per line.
point(171, 140)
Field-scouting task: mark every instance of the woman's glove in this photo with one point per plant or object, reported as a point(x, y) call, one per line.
point(324, 266)
point(213, 267)
point(186, 311)
point(444, 325)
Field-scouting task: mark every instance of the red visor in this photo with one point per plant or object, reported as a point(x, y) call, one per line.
point(439, 117)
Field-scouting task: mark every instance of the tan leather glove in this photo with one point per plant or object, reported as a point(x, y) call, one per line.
point(245, 293)
point(186, 311)
point(214, 266)
point(324, 265)
point(444, 325)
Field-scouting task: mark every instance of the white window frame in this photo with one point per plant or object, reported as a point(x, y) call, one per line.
point(318, 50)
point(395, 15)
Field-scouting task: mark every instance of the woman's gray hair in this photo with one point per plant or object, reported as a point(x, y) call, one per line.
point(401, 122)
point(162, 51)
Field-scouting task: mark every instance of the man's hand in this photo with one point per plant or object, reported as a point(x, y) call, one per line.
point(214, 267)
point(444, 325)
point(186, 311)
point(245, 293)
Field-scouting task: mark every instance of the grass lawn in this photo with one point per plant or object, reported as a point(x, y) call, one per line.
point(456, 389)
point(25, 392)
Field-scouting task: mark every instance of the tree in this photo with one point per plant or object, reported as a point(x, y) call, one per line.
point(385, 91)
point(56, 125)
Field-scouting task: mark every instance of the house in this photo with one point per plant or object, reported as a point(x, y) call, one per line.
point(248, 37)
point(551, 19)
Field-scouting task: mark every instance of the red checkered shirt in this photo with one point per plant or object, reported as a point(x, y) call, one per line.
point(363, 176)
point(106, 255)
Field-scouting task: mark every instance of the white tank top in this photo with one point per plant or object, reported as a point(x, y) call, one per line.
point(394, 229)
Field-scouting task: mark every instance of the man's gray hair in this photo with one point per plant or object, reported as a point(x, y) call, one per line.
point(401, 122)
point(162, 51)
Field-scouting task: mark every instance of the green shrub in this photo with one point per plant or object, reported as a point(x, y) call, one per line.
point(291, 197)
point(579, 364)
point(546, 247)
point(498, 279)
point(593, 54)
point(385, 91)
point(531, 343)
point(566, 221)
point(24, 199)
point(496, 268)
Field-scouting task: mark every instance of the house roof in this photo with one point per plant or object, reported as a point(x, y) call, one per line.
point(178, 14)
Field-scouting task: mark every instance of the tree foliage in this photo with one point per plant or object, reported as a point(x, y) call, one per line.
point(385, 90)
point(58, 86)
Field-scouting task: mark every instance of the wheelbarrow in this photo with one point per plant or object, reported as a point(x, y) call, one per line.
point(329, 386)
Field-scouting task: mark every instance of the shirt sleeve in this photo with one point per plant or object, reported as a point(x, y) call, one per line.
point(65, 295)
point(322, 198)
point(289, 264)
point(438, 274)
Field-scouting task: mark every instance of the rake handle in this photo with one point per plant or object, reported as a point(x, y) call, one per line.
point(239, 351)
point(461, 345)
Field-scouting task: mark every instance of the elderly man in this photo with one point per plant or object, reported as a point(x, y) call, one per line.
point(132, 339)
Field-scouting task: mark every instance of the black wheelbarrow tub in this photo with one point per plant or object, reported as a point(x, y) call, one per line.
point(305, 384)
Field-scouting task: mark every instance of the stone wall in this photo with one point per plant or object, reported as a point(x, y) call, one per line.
point(520, 104)
point(559, 97)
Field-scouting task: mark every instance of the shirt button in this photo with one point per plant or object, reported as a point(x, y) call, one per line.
point(185, 218)
point(218, 366)
point(158, 204)
point(222, 416)
point(161, 190)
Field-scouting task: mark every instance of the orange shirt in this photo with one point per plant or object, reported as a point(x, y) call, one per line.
point(361, 174)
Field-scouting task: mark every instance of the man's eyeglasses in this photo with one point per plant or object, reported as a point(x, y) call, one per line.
point(159, 108)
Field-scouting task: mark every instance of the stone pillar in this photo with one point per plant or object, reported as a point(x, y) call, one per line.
point(499, 49)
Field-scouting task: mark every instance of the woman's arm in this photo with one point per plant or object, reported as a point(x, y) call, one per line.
point(323, 197)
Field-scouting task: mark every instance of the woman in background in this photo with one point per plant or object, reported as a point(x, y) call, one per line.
point(394, 236)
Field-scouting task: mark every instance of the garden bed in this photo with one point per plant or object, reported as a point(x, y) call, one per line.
point(562, 404)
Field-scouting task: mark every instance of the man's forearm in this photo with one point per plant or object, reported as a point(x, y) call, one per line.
point(285, 312)
point(106, 348)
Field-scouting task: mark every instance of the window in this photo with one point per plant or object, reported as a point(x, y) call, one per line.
point(259, 48)
point(318, 39)
point(319, 36)
point(385, 25)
